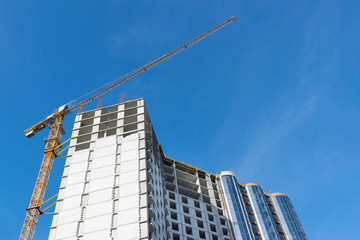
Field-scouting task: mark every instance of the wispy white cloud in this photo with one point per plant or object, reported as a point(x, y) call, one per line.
point(294, 108)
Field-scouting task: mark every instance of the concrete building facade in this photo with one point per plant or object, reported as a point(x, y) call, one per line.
point(119, 185)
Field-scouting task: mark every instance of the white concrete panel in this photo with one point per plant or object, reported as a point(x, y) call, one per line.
point(101, 183)
point(72, 202)
point(140, 110)
point(105, 151)
point(95, 128)
point(66, 171)
point(129, 166)
point(68, 161)
point(97, 223)
point(72, 215)
point(140, 126)
point(128, 177)
point(100, 196)
point(105, 142)
point(96, 120)
point(52, 234)
point(94, 136)
point(78, 167)
point(80, 156)
point(143, 214)
point(54, 221)
point(73, 142)
point(142, 153)
point(129, 155)
point(126, 146)
point(103, 161)
point(143, 200)
point(77, 118)
point(75, 133)
point(69, 238)
point(102, 172)
point(142, 143)
point(142, 163)
point(128, 202)
point(128, 232)
point(144, 229)
point(70, 191)
point(99, 235)
point(99, 209)
point(66, 230)
point(130, 137)
point(120, 122)
point(121, 114)
point(129, 189)
point(128, 216)
point(63, 182)
point(76, 178)
point(71, 151)
point(142, 175)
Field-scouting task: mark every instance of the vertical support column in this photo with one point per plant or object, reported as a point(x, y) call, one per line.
point(37, 198)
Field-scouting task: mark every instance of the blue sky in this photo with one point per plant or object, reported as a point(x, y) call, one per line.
point(273, 97)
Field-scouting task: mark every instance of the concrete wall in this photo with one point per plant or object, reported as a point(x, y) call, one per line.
point(103, 189)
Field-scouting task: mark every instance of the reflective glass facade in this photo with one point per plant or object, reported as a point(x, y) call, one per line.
point(235, 203)
point(288, 217)
point(256, 215)
point(266, 223)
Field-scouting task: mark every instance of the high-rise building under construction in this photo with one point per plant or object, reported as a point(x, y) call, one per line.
point(119, 185)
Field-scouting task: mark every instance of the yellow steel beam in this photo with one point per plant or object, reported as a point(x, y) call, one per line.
point(37, 198)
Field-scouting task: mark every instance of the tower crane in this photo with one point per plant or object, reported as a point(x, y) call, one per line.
point(55, 123)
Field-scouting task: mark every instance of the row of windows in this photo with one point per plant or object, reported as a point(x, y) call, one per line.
point(196, 203)
point(190, 231)
point(197, 213)
point(202, 235)
point(106, 110)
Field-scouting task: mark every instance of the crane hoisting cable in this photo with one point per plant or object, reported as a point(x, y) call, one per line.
point(55, 122)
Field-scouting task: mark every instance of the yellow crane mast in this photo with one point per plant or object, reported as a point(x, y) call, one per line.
point(55, 122)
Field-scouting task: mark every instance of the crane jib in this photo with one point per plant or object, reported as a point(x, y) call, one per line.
point(45, 123)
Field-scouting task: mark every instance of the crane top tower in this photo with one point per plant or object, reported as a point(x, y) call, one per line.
point(55, 122)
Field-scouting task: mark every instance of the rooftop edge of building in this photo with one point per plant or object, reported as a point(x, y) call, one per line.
point(228, 173)
point(252, 184)
point(127, 101)
point(278, 194)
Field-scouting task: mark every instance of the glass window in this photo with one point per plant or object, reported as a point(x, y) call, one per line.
point(251, 217)
point(175, 226)
point(255, 227)
point(202, 234)
point(187, 220)
point(248, 207)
